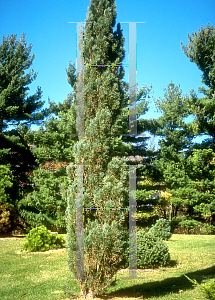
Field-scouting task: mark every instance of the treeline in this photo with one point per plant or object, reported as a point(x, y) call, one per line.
point(175, 182)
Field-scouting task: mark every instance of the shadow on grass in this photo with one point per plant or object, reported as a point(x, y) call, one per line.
point(10, 235)
point(161, 288)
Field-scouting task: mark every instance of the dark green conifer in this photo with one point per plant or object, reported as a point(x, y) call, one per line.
point(106, 181)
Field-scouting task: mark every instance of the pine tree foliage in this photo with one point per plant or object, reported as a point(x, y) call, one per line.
point(52, 147)
point(45, 206)
point(168, 166)
point(53, 140)
point(171, 125)
point(178, 161)
point(17, 109)
point(201, 51)
point(15, 104)
point(105, 178)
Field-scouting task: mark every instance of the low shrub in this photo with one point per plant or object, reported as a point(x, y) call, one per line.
point(190, 225)
point(209, 289)
point(41, 239)
point(208, 229)
point(152, 252)
point(161, 229)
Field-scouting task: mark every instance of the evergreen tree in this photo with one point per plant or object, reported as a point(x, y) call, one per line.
point(176, 163)
point(168, 166)
point(52, 147)
point(16, 106)
point(186, 175)
point(17, 109)
point(201, 169)
point(201, 51)
point(105, 177)
point(169, 186)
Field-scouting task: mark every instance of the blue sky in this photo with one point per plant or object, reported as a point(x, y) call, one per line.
point(160, 59)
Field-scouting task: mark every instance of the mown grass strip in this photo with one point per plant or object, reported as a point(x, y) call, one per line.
point(44, 275)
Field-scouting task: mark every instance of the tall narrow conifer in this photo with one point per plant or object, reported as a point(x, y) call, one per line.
point(106, 181)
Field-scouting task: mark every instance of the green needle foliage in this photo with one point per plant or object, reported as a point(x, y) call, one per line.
point(105, 178)
point(53, 150)
point(45, 205)
point(152, 252)
point(52, 147)
point(184, 169)
point(15, 104)
point(161, 229)
point(201, 51)
point(19, 109)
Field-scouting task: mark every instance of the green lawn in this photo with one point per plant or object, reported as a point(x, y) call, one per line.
point(44, 275)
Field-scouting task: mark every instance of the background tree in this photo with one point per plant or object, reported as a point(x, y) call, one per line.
point(17, 109)
point(183, 193)
point(15, 104)
point(177, 161)
point(53, 151)
point(201, 51)
point(169, 166)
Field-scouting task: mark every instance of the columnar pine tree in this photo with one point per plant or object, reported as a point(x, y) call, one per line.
point(106, 181)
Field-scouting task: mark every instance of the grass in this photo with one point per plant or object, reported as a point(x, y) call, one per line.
point(36, 276)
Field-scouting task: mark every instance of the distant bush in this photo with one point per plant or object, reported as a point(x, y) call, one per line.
point(161, 229)
point(190, 225)
point(152, 252)
point(208, 229)
point(41, 239)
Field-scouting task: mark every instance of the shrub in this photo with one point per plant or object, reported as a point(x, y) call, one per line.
point(161, 229)
point(36, 208)
point(152, 252)
point(190, 225)
point(208, 229)
point(41, 239)
point(209, 289)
